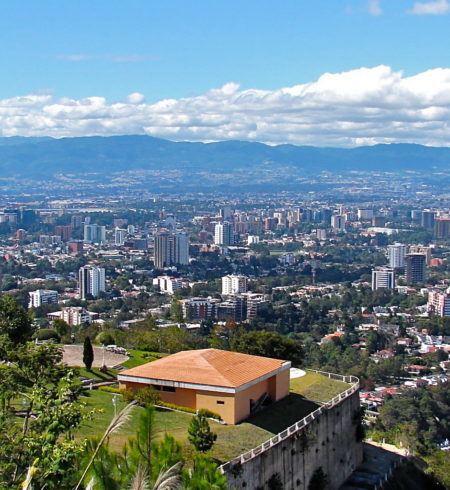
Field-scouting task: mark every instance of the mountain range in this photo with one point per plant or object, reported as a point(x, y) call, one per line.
point(44, 157)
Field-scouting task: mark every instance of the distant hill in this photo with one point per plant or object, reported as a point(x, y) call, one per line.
point(44, 157)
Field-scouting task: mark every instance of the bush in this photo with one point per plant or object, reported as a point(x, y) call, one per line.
point(105, 338)
point(208, 413)
point(144, 396)
point(47, 334)
point(110, 389)
point(177, 407)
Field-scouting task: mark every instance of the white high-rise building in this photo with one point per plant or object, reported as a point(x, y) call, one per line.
point(42, 297)
point(224, 234)
point(396, 255)
point(94, 233)
point(119, 236)
point(234, 284)
point(383, 278)
point(338, 222)
point(91, 281)
point(171, 249)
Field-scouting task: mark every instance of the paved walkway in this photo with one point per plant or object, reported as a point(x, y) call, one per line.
point(73, 356)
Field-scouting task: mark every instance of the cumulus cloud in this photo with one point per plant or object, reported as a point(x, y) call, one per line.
point(374, 7)
point(436, 7)
point(361, 106)
point(135, 98)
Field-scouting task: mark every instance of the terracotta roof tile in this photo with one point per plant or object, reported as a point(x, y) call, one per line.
point(207, 366)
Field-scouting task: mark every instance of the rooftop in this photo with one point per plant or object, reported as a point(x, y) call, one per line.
point(208, 367)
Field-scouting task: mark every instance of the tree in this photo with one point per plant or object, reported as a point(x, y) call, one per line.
point(88, 353)
point(62, 327)
point(176, 311)
point(15, 322)
point(200, 434)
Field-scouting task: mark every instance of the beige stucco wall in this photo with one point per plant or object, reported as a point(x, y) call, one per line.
point(236, 407)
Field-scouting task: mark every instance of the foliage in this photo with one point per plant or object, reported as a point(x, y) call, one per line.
point(50, 412)
point(439, 467)
point(204, 475)
point(88, 353)
point(143, 396)
point(319, 480)
point(177, 407)
point(418, 418)
point(267, 344)
point(46, 334)
point(200, 434)
point(105, 338)
point(15, 322)
point(110, 389)
point(209, 413)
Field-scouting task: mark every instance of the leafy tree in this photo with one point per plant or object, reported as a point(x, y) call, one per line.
point(15, 322)
point(200, 434)
point(267, 344)
point(204, 475)
point(62, 327)
point(88, 353)
point(176, 311)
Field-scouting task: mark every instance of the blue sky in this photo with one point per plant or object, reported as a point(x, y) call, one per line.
point(179, 49)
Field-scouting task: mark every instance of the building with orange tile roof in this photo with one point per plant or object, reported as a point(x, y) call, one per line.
point(232, 384)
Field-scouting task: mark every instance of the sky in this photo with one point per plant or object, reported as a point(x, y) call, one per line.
point(315, 72)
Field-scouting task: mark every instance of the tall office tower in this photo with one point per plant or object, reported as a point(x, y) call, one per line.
point(326, 215)
point(224, 234)
point(171, 249)
point(65, 232)
point(225, 212)
point(338, 222)
point(427, 220)
point(421, 249)
point(439, 302)
point(94, 234)
point(75, 221)
point(383, 278)
point(396, 255)
point(91, 281)
point(442, 228)
point(234, 284)
point(415, 268)
point(119, 236)
point(365, 213)
point(27, 216)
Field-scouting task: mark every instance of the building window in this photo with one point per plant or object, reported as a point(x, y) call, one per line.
point(171, 389)
point(220, 402)
point(156, 387)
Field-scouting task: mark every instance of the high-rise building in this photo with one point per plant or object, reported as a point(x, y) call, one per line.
point(75, 221)
point(383, 278)
point(119, 236)
point(171, 249)
point(338, 222)
point(94, 233)
point(427, 220)
point(224, 234)
point(76, 246)
point(42, 297)
point(439, 302)
point(365, 213)
point(91, 281)
point(415, 268)
point(421, 249)
point(442, 228)
point(65, 232)
point(234, 284)
point(396, 255)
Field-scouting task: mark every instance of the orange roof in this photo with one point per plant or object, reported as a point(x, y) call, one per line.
point(207, 367)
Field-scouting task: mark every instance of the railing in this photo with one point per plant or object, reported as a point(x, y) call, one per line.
point(301, 424)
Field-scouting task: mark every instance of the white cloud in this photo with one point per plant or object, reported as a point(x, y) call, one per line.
point(135, 98)
point(437, 7)
point(374, 7)
point(365, 105)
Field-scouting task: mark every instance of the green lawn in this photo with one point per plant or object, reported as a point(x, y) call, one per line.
point(95, 373)
point(232, 440)
point(138, 357)
point(317, 387)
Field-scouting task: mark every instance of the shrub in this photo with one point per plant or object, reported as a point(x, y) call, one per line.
point(110, 389)
point(47, 334)
point(177, 407)
point(143, 396)
point(208, 413)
